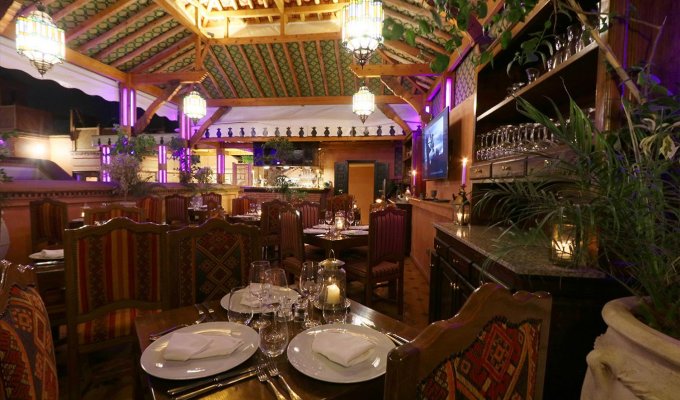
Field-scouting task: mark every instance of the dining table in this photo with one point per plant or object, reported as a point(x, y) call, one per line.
point(338, 242)
point(305, 386)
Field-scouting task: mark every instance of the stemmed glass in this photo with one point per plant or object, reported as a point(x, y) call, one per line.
point(273, 334)
point(328, 218)
point(257, 287)
point(276, 287)
point(350, 217)
point(309, 287)
point(237, 312)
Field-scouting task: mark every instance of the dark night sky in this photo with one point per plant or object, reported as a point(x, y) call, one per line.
point(17, 87)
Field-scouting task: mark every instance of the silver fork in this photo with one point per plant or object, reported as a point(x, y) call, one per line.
point(201, 314)
point(274, 372)
point(157, 335)
point(211, 312)
point(263, 377)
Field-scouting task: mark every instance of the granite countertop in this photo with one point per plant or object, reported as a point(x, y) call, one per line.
point(521, 259)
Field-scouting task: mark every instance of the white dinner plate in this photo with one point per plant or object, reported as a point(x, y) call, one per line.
point(314, 230)
point(317, 366)
point(153, 363)
point(354, 232)
point(40, 256)
point(224, 302)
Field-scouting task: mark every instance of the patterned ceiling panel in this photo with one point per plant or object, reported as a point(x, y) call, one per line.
point(331, 64)
point(182, 63)
point(129, 46)
point(259, 71)
point(296, 58)
point(269, 65)
point(145, 55)
point(208, 85)
point(82, 14)
point(348, 78)
point(242, 67)
point(163, 65)
point(53, 7)
point(217, 76)
point(110, 22)
point(287, 73)
point(314, 68)
point(130, 30)
point(222, 58)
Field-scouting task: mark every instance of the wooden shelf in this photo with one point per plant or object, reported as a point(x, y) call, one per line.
point(552, 83)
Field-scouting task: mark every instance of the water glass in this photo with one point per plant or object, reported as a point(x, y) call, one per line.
point(257, 285)
point(273, 334)
point(237, 312)
point(309, 288)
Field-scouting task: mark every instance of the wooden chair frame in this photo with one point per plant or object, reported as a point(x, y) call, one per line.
point(113, 211)
point(410, 364)
point(294, 248)
point(168, 199)
point(307, 207)
point(34, 207)
point(158, 217)
point(212, 199)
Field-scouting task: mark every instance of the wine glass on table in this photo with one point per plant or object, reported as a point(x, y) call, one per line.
point(328, 219)
point(309, 288)
point(256, 288)
point(277, 293)
point(350, 217)
point(273, 334)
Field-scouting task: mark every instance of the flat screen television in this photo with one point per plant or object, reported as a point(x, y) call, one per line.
point(436, 147)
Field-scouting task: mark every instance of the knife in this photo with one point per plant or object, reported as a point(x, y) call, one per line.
point(214, 386)
point(215, 379)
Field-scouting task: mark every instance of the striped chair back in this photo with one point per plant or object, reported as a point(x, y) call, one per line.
point(386, 235)
point(176, 209)
point(208, 260)
point(153, 209)
point(29, 368)
point(241, 205)
point(292, 247)
point(310, 213)
point(49, 218)
point(95, 215)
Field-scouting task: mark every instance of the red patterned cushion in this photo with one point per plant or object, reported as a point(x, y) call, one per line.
point(119, 323)
point(27, 365)
point(500, 364)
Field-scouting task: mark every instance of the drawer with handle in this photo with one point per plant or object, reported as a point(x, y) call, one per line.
point(506, 169)
point(482, 171)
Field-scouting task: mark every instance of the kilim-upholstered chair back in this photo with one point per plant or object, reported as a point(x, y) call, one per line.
point(49, 218)
point(29, 369)
point(494, 348)
point(292, 247)
point(153, 209)
point(341, 202)
point(176, 209)
point(385, 261)
point(212, 200)
point(310, 213)
point(208, 260)
point(95, 215)
point(114, 272)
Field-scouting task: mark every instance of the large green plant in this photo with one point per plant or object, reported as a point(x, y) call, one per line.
point(620, 189)
point(127, 154)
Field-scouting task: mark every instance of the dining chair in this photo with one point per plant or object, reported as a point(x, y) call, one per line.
point(212, 200)
point(176, 209)
point(94, 215)
point(340, 202)
point(310, 212)
point(270, 229)
point(385, 258)
point(292, 250)
point(114, 272)
point(28, 367)
point(153, 209)
point(49, 218)
point(206, 261)
point(241, 205)
point(494, 348)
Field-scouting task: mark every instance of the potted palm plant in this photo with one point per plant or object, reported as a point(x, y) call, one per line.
point(618, 192)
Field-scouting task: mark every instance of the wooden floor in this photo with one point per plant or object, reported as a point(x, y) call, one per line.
point(416, 290)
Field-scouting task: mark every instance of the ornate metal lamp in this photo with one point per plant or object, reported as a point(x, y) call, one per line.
point(39, 39)
point(362, 22)
point(461, 208)
point(194, 106)
point(363, 103)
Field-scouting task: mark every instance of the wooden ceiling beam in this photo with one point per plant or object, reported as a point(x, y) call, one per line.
point(144, 120)
point(99, 17)
point(249, 67)
point(297, 101)
point(9, 10)
point(169, 7)
point(279, 5)
point(68, 9)
point(391, 114)
point(148, 45)
point(217, 63)
point(215, 84)
point(322, 64)
point(277, 38)
point(107, 51)
point(277, 68)
point(34, 6)
point(274, 12)
point(338, 64)
point(206, 124)
point(403, 48)
point(232, 64)
point(164, 77)
point(417, 102)
point(445, 36)
point(166, 53)
point(388, 60)
point(130, 22)
point(290, 67)
point(264, 68)
point(373, 70)
point(301, 46)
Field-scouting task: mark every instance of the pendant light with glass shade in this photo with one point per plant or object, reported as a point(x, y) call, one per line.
point(40, 40)
point(194, 106)
point(363, 103)
point(362, 22)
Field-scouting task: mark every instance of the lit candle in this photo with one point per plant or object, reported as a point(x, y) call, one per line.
point(464, 175)
point(563, 249)
point(332, 294)
point(339, 223)
point(459, 217)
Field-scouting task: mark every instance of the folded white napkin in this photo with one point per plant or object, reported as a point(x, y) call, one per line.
point(321, 226)
point(354, 233)
point(59, 253)
point(314, 230)
point(343, 348)
point(247, 298)
point(359, 227)
point(184, 346)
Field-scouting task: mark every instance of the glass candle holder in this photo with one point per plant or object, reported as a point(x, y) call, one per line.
point(563, 244)
point(333, 293)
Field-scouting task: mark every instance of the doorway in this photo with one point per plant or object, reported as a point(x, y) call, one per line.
point(361, 183)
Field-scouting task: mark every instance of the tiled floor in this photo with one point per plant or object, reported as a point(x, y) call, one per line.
point(416, 290)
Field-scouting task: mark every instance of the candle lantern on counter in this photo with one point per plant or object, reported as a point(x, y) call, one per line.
point(461, 208)
point(563, 244)
point(340, 221)
point(333, 294)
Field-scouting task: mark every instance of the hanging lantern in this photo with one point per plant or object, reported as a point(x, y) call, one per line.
point(39, 40)
point(461, 208)
point(363, 103)
point(362, 22)
point(194, 106)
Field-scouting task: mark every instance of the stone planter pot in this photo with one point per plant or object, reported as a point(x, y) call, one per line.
point(631, 360)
